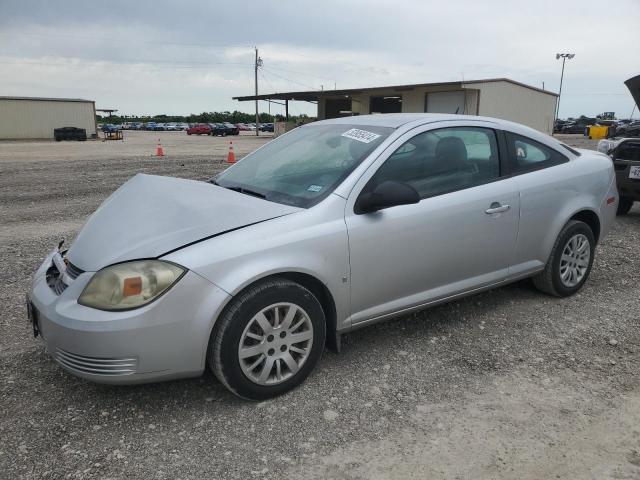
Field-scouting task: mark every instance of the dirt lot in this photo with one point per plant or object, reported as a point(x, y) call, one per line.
point(505, 384)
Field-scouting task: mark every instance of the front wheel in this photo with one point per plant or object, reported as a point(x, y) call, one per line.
point(570, 261)
point(268, 339)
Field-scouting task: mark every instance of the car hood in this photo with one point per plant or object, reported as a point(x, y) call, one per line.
point(150, 216)
point(633, 84)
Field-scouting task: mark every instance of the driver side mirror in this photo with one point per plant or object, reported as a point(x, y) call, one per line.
point(387, 194)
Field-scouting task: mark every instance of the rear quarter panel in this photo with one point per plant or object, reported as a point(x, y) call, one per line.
point(551, 196)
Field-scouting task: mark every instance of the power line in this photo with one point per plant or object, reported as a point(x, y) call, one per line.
point(139, 64)
point(112, 40)
point(301, 73)
point(267, 80)
point(288, 79)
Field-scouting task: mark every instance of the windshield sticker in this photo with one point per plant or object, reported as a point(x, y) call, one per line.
point(314, 188)
point(360, 135)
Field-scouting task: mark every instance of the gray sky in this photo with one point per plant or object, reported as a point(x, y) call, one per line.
point(181, 57)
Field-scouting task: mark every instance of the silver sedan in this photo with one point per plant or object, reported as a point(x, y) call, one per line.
point(331, 227)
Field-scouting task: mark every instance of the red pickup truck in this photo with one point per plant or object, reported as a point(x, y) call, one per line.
point(199, 129)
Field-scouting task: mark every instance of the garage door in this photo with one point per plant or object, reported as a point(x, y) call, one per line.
point(445, 102)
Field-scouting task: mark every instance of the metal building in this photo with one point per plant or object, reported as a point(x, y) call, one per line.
point(494, 97)
point(36, 118)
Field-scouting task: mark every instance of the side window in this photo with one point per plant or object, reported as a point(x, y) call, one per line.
point(526, 155)
point(441, 161)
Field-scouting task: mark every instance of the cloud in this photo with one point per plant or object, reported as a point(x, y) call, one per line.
point(183, 57)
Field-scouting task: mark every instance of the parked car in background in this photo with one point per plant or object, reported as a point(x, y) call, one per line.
point(242, 127)
point(573, 128)
point(625, 154)
point(630, 128)
point(171, 127)
point(267, 127)
point(110, 127)
point(150, 126)
point(182, 126)
point(231, 128)
point(199, 129)
point(159, 127)
point(365, 218)
point(218, 129)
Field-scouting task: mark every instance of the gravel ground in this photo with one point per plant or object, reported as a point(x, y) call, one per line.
point(506, 384)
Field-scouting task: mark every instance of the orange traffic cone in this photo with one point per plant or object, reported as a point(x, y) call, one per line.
point(231, 158)
point(159, 150)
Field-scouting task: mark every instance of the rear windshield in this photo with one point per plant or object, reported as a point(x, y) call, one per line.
point(628, 151)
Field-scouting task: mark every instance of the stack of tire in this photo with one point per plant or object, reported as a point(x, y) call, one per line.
point(70, 133)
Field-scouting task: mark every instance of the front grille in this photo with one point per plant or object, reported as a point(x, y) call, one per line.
point(96, 365)
point(54, 280)
point(73, 271)
point(54, 277)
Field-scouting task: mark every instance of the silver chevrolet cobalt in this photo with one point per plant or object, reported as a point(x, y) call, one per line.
point(333, 226)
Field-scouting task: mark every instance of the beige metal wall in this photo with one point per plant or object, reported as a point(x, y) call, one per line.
point(498, 99)
point(413, 101)
point(36, 119)
point(516, 103)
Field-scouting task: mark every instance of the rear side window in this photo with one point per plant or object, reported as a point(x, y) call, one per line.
point(527, 155)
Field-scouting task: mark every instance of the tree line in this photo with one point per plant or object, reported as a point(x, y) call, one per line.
point(204, 117)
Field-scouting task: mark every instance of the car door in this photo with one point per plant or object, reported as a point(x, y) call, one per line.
point(459, 237)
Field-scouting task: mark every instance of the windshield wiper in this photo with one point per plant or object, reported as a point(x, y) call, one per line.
point(246, 191)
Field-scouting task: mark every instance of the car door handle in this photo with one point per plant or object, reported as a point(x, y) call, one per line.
point(497, 207)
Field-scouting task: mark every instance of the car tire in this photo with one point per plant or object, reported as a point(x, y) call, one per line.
point(624, 205)
point(568, 267)
point(270, 349)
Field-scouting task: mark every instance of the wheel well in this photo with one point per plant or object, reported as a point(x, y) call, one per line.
point(322, 293)
point(591, 219)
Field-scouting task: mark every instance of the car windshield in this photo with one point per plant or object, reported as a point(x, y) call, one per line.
point(305, 165)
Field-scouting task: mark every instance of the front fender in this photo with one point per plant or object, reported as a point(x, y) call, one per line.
point(313, 242)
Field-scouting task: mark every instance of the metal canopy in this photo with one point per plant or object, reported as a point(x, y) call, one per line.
point(314, 95)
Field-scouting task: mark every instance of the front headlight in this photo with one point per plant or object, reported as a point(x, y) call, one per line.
point(130, 285)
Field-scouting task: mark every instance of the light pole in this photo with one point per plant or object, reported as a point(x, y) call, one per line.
point(564, 57)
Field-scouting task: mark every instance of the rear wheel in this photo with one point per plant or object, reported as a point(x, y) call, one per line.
point(268, 339)
point(570, 261)
point(624, 205)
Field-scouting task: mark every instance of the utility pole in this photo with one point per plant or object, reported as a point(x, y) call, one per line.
point(564, 57)
point(257, 64)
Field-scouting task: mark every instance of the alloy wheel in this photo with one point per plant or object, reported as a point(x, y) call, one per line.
point(275, 343)
point(574, 262)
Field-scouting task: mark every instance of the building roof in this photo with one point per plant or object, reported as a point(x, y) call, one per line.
point(46, 99)
point(313, 95)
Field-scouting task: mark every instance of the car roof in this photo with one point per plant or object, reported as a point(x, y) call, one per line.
point(395, 120)
point(412, 120)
